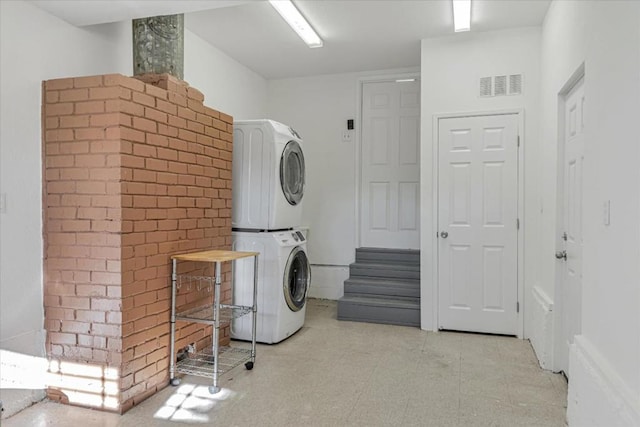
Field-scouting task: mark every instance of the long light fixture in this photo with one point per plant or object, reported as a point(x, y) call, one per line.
point(461, 15)
point(294, 18)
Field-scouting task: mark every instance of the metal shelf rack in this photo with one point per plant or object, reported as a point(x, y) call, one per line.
point(206, 314)
point(202, 364)
point(214, 362)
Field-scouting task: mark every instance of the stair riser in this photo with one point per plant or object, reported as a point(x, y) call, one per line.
point(374, 314)
point(359, 271)
point(391, 291)
point(387, 258)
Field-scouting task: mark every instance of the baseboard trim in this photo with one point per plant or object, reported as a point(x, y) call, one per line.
point(327, 281)
point(541, 334)
point(597, 395)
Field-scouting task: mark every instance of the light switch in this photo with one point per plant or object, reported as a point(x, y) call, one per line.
point(3, 202)
point(606, 212)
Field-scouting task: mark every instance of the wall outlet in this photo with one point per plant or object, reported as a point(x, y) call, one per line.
point(191, 348)
point(3, 202)
point(347, 136)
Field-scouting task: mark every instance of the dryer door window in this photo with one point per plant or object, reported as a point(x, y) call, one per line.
point(292, 172)
point(297, 276)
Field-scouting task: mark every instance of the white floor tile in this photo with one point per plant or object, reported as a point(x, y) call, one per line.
point(334, 373)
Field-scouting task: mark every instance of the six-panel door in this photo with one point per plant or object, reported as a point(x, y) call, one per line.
point(478, 214)
point(571, 291)
point(390, 180)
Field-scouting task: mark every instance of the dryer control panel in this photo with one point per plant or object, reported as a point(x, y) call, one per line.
point(289, 238)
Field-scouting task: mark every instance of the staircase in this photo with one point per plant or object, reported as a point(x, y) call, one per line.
point(383, 287)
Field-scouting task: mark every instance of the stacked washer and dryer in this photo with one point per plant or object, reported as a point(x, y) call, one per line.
point(268, 187)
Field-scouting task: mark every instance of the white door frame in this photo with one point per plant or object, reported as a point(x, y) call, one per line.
point(558, 309)
point(434, 247)
point(358, 137)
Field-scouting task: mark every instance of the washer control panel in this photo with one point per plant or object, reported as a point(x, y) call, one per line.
point(290, 238)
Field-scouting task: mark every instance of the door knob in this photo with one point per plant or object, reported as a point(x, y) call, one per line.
point(561, 255)
point(444, 234)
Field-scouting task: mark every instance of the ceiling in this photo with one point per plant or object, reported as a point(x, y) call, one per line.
point(358, 35)
point(91, 12)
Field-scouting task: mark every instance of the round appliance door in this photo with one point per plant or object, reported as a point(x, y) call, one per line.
point(292, 172)
point(297, 276)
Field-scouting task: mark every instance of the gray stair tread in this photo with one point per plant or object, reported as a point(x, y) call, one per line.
point(388, 287)
point(388, 250)
point(386, 266)
point(396, 322)
point(392, 262)
point(395, 271)
point(383, 281)
point(388, 256)
point(410, 303)
point(392, 311)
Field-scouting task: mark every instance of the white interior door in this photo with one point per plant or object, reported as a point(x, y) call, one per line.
point(571, 270)
point(390, 160)
point(478, 224)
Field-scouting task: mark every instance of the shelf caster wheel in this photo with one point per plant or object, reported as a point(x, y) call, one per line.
point(213, 390)
point(249, 366)
point(175, 382)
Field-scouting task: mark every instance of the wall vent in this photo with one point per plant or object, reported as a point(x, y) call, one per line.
point(500, 85)
point(515, 84)
point(486, 86)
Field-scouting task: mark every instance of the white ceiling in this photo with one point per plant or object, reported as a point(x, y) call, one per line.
point(358, 35)
point(91, 12)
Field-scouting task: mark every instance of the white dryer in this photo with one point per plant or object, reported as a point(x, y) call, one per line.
point(268, 176)
point(284, 276)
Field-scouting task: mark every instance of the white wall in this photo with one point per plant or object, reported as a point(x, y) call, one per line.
point(318, 108)
point(227, 85)
point(559, 61)
point(451, 67)
point(37, 46)
point(604, 371)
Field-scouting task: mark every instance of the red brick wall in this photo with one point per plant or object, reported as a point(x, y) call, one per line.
point(134, 172)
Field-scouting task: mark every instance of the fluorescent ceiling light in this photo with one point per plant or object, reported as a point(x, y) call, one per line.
point(461, 15)
point(405, 80)
point(288, 11)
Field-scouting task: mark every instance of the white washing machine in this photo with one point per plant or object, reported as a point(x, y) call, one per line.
point(284, 276)
point(268, 176)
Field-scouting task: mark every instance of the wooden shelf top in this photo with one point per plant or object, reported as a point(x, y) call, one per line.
point(214, 256)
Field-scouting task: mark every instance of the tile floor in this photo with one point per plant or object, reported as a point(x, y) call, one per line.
point(335, 373)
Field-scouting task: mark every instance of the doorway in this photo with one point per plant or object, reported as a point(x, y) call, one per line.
point(389, 211)
point(569, 254)
point(478, 224)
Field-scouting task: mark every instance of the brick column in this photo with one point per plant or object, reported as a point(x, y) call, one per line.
point(134, 171)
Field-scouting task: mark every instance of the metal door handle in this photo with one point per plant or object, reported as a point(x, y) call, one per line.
point(561, 255)
point(444, 234)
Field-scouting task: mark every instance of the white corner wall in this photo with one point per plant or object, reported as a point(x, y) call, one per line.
point(318, 108)
point(36, 46)
point(604, 367)
point(227, 85)
point(451, 68)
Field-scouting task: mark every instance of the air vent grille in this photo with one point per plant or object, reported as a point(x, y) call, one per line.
point(515, 84)
point(486, 86)
point(500, 85)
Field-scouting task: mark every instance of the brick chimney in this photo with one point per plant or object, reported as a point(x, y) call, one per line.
point(135, 170)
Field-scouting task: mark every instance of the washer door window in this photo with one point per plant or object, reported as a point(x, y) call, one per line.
point(297, 276)
point(292, 172)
